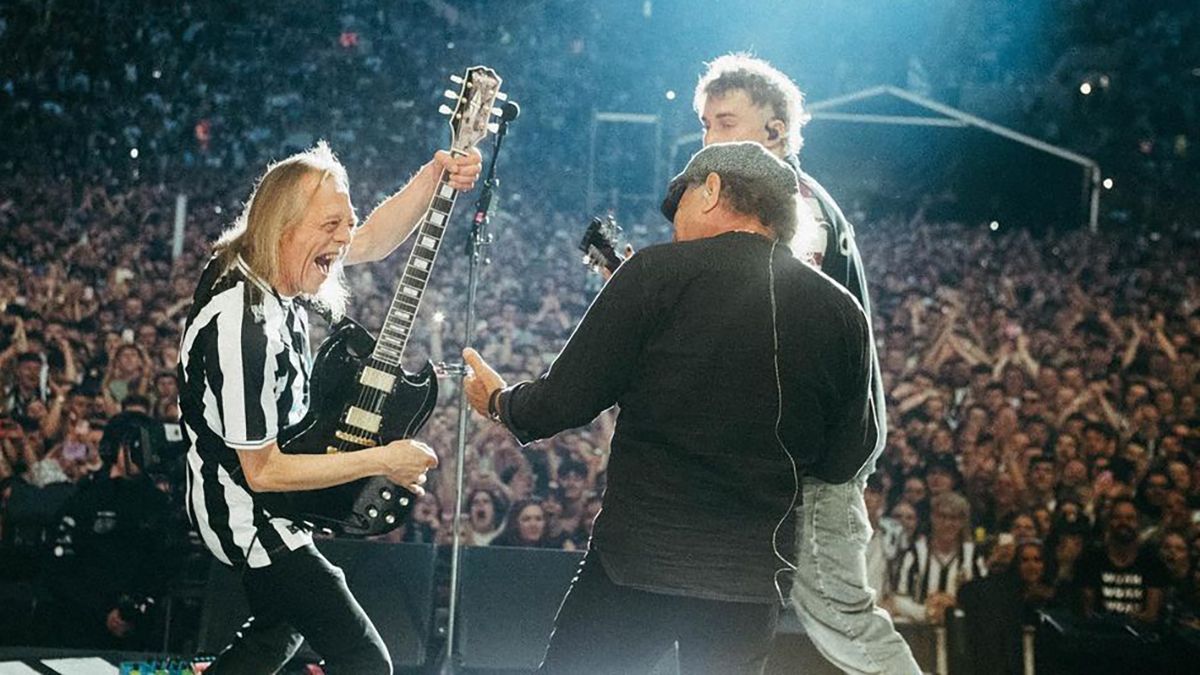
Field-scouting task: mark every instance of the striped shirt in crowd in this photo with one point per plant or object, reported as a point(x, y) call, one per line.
point(244, 369)
point(922, 573)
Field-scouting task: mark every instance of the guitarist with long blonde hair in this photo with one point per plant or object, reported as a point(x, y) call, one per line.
point(244, 371)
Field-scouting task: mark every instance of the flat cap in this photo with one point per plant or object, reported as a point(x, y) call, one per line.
point(745, 160)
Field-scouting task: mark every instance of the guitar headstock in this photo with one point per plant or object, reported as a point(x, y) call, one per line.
point(599, 244)
point(471, 116)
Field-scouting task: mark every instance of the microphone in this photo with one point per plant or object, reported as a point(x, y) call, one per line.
point(510, 111)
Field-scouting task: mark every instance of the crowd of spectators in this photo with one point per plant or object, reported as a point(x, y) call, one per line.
point(1037, 386)
point(1042, 389)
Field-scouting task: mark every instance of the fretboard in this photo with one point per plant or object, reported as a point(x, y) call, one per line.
point(397, 327)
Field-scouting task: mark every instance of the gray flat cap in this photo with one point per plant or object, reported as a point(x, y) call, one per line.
point(746, 160)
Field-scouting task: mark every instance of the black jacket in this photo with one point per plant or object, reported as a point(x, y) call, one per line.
point(700, 492)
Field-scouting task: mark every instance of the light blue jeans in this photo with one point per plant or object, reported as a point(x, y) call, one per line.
point(830, 591)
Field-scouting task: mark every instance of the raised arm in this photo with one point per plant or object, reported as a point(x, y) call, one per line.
point(395, 218)
point(587, 376)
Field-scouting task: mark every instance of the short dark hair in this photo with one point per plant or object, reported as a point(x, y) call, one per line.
point(1042, 459)
point(136, 400)
point(1104, 429)
point(29, 357)
point(572, 466)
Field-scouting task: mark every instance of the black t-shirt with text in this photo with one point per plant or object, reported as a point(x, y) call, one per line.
point(1121, 590)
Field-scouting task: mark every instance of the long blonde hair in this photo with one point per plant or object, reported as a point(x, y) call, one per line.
point(276, 205)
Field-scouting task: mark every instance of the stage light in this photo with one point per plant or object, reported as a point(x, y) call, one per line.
point(993, 226)
point(439, 316)
point(670, 94)
point(1108, 183)
point(157, 73)
point(133, 152)
point(1104, 81)
point(217, 209)
point(1085, 88)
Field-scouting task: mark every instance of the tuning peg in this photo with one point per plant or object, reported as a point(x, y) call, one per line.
point(450, 94)
point(501, 96)
point(445, 109)
point(493, 127)
point(456, 79)
point(496, 111)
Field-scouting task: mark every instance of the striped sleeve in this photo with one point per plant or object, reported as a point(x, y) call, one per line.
point(245, 387)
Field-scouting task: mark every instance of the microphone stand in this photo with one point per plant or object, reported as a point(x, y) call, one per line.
point(478, 239)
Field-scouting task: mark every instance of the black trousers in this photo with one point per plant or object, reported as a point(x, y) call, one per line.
point(303, 596)
point(605, 628)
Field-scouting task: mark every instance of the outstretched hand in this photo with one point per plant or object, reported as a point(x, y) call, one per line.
point(480, 382)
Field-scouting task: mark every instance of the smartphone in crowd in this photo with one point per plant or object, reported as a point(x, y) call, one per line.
point(74, 451)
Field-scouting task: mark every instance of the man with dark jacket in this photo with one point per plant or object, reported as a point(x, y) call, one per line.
point(729, 389)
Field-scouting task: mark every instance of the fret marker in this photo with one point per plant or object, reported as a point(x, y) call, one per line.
point(411, 292)
point(421, 263)
point(428, 242)
point(447, 192)
point(437, 217)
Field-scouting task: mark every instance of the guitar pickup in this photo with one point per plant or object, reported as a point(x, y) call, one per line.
point(363, 419)
point(377, 379)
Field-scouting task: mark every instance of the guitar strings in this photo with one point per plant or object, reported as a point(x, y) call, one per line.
point(372, 399)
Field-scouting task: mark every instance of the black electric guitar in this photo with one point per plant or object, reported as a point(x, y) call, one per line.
point(599, 245)
point(361, 397)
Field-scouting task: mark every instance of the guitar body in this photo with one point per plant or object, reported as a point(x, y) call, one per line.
point(369, 506)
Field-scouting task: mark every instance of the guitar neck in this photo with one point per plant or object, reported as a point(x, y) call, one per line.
point(397, 327)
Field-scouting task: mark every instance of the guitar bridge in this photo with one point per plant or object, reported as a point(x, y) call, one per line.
point(357, 440)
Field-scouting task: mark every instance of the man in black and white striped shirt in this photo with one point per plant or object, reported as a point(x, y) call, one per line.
point(244, 371)
point(935, 567)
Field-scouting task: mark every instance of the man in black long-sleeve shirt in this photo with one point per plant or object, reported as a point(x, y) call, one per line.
point(736, 368)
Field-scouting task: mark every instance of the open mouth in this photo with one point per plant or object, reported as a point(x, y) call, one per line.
point(325, 262)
